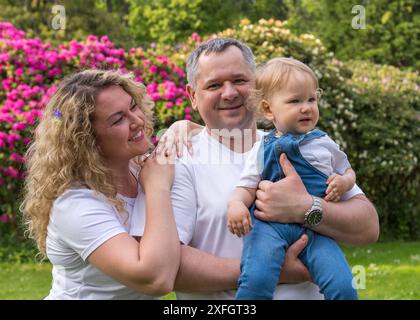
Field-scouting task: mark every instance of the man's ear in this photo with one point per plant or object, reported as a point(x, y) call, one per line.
point(191, 95)
point(265, 108)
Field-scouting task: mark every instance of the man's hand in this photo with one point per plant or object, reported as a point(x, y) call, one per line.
point(284, 201)
point(294, 271)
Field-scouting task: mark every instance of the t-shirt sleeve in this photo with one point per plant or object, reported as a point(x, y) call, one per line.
point(339, 160)
point(84, 221)
point(184, 199)
point(250, 176)
point(351, 193)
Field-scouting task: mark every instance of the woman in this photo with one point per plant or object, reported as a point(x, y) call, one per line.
point(80, 192)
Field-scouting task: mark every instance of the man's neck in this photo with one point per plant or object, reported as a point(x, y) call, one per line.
point(237, 140)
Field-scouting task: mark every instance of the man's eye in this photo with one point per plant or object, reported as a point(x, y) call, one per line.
point(294, 101)
point(213, 86)
point(312, 99)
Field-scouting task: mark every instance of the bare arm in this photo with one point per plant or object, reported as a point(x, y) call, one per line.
point(244, 195)
point(151, 265)
point(339, 184)
point(354, 221)
point(203, 272)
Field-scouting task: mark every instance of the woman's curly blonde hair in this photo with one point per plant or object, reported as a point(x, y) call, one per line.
point(64, 152)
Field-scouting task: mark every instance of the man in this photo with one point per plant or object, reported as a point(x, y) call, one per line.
point(220, 82)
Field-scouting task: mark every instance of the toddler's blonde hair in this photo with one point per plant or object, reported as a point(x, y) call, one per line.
point(276, 73)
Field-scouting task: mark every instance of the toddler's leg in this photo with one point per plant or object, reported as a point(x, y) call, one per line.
point(262, 259)
point(328, 267)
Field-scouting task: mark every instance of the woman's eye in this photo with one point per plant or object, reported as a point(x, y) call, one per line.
point(294, 101)
point(133, 107)
point(117, 121)
point(312, 100)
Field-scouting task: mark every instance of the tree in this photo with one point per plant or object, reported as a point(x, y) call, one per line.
point(83, 17)
point(391, 34)
point(171, 21)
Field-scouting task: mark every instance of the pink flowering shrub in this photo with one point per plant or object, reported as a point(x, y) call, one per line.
point(30, 69)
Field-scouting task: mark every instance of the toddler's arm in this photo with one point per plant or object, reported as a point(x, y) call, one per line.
point(239, 219)
point(339, 184)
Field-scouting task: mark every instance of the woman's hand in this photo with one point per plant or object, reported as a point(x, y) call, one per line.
point(157, 171)
point(178, 134)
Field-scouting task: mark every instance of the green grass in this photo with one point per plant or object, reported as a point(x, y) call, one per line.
point(392, 272)
point(24, 281)
point(392, 269)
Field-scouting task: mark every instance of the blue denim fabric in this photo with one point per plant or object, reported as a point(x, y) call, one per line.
point(266, 244)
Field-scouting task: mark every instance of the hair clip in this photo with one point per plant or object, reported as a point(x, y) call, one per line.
point(57, 115)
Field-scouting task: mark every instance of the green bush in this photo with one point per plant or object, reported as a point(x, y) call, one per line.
point(386, 145)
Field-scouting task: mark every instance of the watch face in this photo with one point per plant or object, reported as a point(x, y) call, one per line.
point(314, 217)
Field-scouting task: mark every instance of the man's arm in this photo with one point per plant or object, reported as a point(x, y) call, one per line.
point(201, 272)
point(354, 221)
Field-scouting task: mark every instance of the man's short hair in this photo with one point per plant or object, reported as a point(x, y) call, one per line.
point(216, 45)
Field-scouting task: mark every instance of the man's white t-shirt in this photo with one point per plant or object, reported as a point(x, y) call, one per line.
point(80, 222)
point(203, 185)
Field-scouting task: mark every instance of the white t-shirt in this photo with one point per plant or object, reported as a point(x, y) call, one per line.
point(323, 153)
point(203, 185)
point(80, 222)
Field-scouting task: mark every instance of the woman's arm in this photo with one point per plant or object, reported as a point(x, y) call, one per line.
point(151, 265)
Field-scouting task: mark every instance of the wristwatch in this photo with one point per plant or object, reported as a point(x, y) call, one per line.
point(313, 216)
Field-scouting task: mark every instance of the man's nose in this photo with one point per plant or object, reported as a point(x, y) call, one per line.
point(229, 91)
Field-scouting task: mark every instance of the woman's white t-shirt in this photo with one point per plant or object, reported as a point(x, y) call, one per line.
point(81, 220)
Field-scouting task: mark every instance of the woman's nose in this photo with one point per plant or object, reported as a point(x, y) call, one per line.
point(136, 122)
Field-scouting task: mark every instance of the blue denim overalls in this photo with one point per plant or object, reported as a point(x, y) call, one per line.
point(265, 245)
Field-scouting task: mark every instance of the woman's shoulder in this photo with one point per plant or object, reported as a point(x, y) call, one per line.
point(80, 197)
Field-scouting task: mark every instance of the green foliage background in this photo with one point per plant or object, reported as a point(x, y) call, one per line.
point(371, 110)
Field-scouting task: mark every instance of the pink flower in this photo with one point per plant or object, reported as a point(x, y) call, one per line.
point(39, 78)
point(19, 126)
point(11, 172)
point(17, 158)
point(153, 69)
point(169, 105)
point(188, 110)
point(195, 36)
point(4, 218)
point(188, 117)
point(178, 101)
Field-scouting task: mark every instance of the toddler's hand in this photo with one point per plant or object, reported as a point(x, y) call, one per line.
point(239, 219)
point(336, 188)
